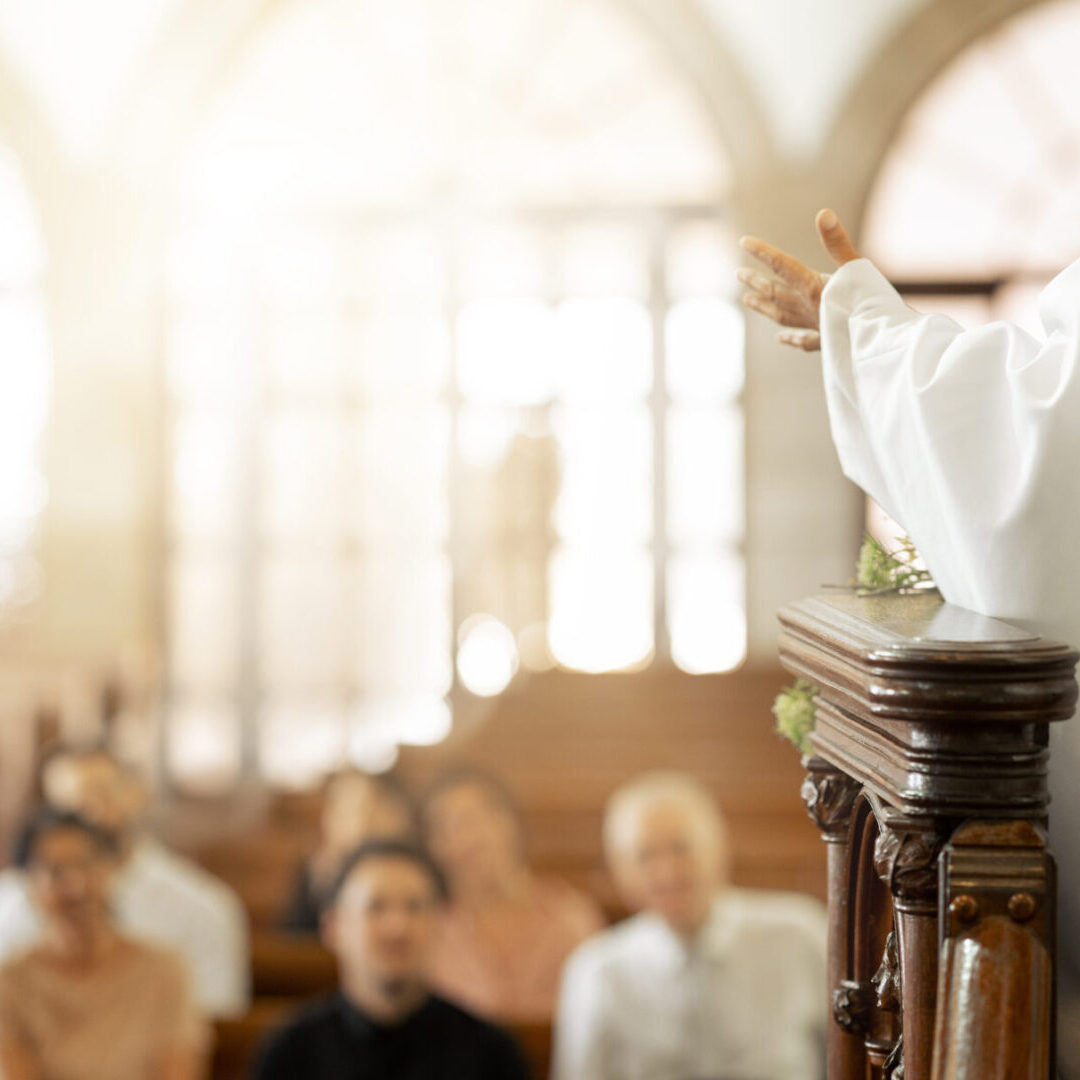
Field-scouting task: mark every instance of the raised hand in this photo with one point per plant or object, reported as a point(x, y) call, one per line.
point(793, 297)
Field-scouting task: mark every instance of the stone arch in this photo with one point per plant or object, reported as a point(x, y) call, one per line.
point(874, 109)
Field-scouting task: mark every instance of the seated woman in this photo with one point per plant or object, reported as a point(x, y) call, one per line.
point(507, 931)
point(86, 1003)
point(357, 806)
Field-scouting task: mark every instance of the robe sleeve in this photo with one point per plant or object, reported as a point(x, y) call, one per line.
point(963, 436)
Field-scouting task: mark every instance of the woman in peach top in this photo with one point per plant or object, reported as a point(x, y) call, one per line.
point(85, 1003)
point(507, 932)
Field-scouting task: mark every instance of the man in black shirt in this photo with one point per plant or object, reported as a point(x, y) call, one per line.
point(384, 1024)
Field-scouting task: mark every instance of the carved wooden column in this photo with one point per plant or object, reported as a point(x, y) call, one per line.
point(906, 859)
point(829, 796)
point(928, 783)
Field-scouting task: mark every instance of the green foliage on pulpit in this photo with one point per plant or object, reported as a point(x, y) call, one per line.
point(794, 710)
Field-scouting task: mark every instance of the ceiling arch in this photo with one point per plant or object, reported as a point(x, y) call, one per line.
point(197, 50)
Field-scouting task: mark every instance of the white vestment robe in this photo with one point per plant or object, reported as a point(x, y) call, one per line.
point(970, 439)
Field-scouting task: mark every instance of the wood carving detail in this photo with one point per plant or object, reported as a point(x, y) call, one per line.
point(886, 980)
point(890, 996)
point(829, 797)
point(851, 1007)
point(893, 1069)
point(907, 861)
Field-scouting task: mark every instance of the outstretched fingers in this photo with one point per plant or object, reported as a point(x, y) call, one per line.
point(807, 340)
point(784, 266)
point(835, 237)
point(776, 300)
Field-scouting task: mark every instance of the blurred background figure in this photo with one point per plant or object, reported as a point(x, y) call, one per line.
point(385, 1024)
point(707, 980)
point(507, 932)
point(85, 1002)
point(357, 806)
point(156, 895)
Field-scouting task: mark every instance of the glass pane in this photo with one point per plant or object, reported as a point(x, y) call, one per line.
point(208, 269)
point(300, 741)
point(304, 351)
point(404, 617)
point(411, 719)
point(605, 261)
point(504, 352)
point(601, 608)
point(400, 499)
point(602, 351)
point(706, 612)
point(505, 575)
point(504, 262)
point(206, 490)
point(389, 264)
point(208, 357)
point(606, 492)
point(400, 354)
point(701, 262)
point(202, 745)
point(484, 435)
point(302, 624)
point(704, 342)
point(204, 632)
point(298, 267)
point(705, 475)
point(303, 478)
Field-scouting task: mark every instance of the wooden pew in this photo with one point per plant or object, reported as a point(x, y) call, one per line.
point(928, 784)
point(237, 1041)
point(290, 966)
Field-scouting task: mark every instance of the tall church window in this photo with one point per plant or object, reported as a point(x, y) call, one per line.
point(454, 377)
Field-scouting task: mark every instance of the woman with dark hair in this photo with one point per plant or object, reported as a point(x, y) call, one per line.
point(86, 1003)
point(507, 931)
point(357, 806)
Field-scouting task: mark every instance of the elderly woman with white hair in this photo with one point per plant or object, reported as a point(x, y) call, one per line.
point(706, 981)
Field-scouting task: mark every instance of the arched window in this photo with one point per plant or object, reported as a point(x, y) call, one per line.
point(977, 204)
point(454, 378)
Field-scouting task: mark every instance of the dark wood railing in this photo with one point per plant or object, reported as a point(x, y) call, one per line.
point(928, 783)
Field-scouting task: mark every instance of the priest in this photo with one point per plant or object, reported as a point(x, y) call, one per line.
point(970, 439)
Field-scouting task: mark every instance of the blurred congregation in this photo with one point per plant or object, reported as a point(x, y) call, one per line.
point(122, 958)
point(395, 506)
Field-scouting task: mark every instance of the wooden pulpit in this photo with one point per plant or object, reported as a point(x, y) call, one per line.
point(928, 783)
